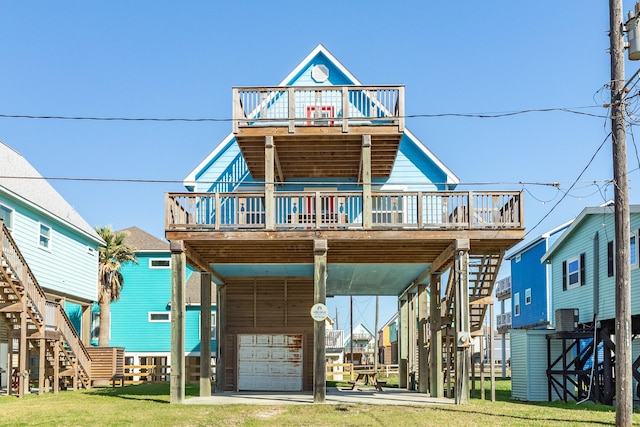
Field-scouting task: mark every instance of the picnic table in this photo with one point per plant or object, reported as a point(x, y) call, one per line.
point(367, 378)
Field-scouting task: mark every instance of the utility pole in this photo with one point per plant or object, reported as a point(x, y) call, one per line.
point(623, 372)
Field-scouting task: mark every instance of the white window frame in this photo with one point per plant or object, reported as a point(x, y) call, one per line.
point(527, 296)
point(95, 324)
point(518, 258)
point(151, 261)
point(48, 238)
point(516, 304)
point(634, 260)
point(213, 324)
point(10, 212)
point(575, 273)
point(163, 313)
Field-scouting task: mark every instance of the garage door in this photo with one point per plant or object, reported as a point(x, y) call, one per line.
point(270, 362)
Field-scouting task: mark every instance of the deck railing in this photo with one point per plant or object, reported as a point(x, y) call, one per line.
point(344, 210)
point(292, 106)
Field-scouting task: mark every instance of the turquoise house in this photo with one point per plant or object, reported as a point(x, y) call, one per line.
point(50, 257)
point(141, 318)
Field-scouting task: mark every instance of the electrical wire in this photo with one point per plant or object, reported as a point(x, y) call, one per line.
point(571, 187)
point(488, 115)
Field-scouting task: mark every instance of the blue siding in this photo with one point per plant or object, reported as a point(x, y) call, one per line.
point(411, 167)
point(303, 78)
point(69, 266)
point(148, 290)
point(530, 273)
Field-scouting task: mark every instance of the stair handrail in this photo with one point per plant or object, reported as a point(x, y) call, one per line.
point(73, 340)
point(17, 263)
point(36, 294)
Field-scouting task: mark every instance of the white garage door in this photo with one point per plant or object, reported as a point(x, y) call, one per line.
point(269, 362)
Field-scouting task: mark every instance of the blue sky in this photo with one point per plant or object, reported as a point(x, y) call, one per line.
point(161, 59)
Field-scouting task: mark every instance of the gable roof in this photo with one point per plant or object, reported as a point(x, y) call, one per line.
point(534, 242)
point(607, 209)
point(319, 51)
point(22, 181)
point(144, 241)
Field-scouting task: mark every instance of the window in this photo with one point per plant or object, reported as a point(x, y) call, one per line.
point(45, 237)
point(95, 325)
point(159, 316)
point(518, 258)
point(159, 263)
point(6, 215)
point(633, 250)
point(573, 272)
point(516, 304)
point(527, 296)
point(213, 326)
point(320, 112)
point(610, 264)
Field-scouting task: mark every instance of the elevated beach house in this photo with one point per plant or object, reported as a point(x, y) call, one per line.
point(48, 282)
point(321, 190)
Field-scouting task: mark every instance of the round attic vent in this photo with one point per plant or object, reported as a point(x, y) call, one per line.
point(320, 73)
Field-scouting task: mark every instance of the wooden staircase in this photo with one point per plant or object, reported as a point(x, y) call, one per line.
point(41, 326)
point(482, 274)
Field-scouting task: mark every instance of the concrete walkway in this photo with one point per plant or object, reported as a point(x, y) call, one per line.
point(335, 396)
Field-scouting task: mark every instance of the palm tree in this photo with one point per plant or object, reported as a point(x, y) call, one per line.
point(110, 281)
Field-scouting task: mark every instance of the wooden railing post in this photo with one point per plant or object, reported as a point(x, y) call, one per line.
point(367, 208)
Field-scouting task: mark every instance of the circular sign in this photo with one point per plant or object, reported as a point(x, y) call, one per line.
point(319, 312)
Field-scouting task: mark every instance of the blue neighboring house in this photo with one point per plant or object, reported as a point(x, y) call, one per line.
point(141, 318)
point(51, 252)
point(531, 282)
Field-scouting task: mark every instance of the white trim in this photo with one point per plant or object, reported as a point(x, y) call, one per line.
point(11, 215)
point(305, 62)
point(569, 274)
point(190, 180)
point(151, 260)
point(163, 313)
point(49, 237)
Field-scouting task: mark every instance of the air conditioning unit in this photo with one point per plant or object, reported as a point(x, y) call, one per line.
point(567, 319)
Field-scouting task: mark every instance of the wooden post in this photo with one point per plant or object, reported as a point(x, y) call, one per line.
point(492, 357)
point(178, 272)
point(41, 362)
point(269, 183)
point(319, 297)
point(56, 367)
point(9, 362)
point(86, 325)
point(205, 334)
point(23, 351)
point(221, 310)
point(623, 326)
point(437, 380)
point(423, 350)
point(403, 344)
point(462, 333)
point(367, 207)
point(411, 340)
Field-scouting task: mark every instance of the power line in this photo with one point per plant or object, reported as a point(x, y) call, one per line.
point(487, 115)
point(571, 187)
point(555, 184)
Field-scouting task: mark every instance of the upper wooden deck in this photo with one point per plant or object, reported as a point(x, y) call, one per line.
point(317, 130)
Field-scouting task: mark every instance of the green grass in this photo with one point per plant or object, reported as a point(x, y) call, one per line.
point(148, 405)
